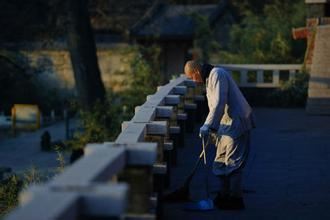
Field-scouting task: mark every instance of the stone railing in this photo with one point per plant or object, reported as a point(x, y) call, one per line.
point(125, 179)
point(122, 179)
point(262, 75)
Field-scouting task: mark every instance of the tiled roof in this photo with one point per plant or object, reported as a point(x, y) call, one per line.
point(172, 21)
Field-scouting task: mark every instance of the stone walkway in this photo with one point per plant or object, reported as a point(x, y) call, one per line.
point(23, 152)
point(287, 175)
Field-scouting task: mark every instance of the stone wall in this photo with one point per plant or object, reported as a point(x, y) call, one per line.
point(57, 73)
point(318, 101)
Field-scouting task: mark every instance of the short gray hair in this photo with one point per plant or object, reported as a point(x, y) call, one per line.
point(192, 66)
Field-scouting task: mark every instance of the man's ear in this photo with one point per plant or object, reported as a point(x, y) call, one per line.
point(198, 76)
point(196, 71)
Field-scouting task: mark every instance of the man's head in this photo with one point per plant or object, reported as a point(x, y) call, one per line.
point(193, 70)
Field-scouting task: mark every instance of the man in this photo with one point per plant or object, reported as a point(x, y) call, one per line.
point(230, 117)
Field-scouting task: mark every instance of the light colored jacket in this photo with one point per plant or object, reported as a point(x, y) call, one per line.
point(229, 112)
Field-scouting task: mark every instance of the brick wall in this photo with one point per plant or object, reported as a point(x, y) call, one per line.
point(319, 84)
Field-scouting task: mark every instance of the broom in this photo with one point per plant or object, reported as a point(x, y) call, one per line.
point(182, 194)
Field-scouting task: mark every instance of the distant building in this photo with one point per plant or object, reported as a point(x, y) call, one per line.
point(172, 27)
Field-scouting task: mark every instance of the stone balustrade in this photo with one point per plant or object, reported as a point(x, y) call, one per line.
point(261, 75)
point(125, 178)
point(122, 179)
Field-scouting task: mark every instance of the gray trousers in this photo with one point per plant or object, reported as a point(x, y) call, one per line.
point(232, 185)
point(230, 159)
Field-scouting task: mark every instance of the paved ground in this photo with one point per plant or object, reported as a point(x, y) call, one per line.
point(287, 175)
point(23, 152)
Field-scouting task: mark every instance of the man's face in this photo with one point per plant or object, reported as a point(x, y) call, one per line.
point(194, 75)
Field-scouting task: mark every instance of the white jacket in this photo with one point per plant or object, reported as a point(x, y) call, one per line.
point(229, 112)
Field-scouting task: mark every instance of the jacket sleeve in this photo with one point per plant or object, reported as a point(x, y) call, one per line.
point(217, 94)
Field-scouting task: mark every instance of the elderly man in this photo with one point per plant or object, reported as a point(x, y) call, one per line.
point(230, 117)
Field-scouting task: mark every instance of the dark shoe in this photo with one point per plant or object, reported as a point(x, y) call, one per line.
point(221, 201)
point(235, 203)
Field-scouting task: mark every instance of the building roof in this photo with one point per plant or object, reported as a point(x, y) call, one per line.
point(117, 16)
point(165, 21)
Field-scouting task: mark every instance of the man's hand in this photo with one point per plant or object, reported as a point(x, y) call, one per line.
point(204, 131)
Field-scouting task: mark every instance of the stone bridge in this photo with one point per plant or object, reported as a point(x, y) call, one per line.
point(286, 177)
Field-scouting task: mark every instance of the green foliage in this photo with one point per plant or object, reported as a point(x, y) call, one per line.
point(266, 37)
point(263, 35)
point(60, 159)
point(292, 93)
point(144, 77)
point(103, 122)
point(98, 125)
point(12, 184)
point(9, 190)
point(204, 38)
point(32, 176)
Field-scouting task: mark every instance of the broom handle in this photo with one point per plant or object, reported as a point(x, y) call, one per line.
point(204, 154)
point(204, 145)
point(197, 163)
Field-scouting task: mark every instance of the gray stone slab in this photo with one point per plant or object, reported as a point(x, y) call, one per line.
point(287, 175)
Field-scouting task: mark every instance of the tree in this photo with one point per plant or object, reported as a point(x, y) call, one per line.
point(266, 37)
point(47, 21)
point(81, 45)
